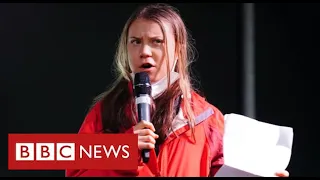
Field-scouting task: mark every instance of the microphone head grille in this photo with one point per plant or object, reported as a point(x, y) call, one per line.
point(141, 78)
point(142, 84)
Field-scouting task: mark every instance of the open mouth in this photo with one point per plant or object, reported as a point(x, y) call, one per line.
point(146, 66)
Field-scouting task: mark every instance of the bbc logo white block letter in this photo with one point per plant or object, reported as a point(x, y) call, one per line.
point(24, 152)
point(45, 151)
point(65, 151)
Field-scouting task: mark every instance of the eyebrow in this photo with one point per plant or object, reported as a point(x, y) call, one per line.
point(153, 37)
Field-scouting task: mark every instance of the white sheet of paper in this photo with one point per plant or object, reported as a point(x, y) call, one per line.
point(254, 148)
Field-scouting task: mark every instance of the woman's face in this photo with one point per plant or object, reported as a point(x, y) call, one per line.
point(147, 49)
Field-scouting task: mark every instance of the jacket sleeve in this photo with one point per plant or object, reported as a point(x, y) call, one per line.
point(217, 161)
point(93, 124)
point(216, 130)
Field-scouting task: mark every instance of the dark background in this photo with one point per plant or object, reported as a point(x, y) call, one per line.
point(57, 57)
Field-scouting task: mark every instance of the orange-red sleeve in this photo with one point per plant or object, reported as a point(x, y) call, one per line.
point(216, 141)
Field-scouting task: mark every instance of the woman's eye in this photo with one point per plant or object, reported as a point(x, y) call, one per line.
point(158, 41)
point(135, 41)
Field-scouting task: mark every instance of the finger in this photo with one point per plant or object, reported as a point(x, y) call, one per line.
point(147, 139)
point(144, 124)
point(145, 132)
point(282, 173)
point(143, 145)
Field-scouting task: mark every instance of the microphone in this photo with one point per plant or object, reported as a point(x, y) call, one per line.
point(142, 91)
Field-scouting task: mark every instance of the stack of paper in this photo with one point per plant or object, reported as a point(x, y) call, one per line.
point(253, 148)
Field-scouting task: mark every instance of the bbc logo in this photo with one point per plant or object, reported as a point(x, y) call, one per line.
point(72, 151)
point(45, 151)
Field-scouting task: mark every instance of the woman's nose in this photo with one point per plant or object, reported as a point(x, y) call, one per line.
point(145, 51)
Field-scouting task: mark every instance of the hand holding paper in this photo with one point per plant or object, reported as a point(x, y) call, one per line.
point(253, 148)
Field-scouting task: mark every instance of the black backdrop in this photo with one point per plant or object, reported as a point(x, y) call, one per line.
point(57, 57)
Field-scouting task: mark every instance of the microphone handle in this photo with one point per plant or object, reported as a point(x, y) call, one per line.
point(145, 155)
point(144, 114)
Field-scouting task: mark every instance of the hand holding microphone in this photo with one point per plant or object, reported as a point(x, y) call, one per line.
point(144, 129)
point(146, 136)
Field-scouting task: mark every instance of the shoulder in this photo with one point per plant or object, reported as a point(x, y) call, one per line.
point(93, 120)
point(213, 115)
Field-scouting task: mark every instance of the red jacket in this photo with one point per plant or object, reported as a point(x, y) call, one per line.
point(178, 155)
